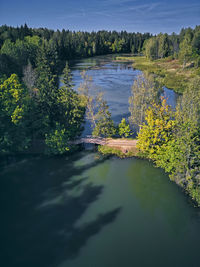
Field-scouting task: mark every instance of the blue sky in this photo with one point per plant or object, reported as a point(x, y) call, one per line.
point(131, 15)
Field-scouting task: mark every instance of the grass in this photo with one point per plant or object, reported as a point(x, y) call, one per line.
point(106, 150)
point(169, 71)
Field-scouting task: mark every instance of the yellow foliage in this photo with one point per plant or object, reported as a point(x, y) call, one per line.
point(157, 130)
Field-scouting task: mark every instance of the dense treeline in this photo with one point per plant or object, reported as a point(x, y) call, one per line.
point(184, 46)
point(18, 45)
point(36, 108)
point(33, 105)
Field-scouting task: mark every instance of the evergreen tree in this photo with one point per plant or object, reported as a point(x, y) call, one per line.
point(67, 124)
point(47, 87)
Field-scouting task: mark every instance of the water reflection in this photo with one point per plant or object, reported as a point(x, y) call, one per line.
point(94, 211)
point(45, 204)
point(150, 185)
point(115, 79)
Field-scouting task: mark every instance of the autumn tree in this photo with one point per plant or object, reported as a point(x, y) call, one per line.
point(157, 130)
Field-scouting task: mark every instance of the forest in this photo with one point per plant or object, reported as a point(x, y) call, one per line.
point(35, 108)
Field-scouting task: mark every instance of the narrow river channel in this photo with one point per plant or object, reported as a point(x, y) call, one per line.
point(90, 211)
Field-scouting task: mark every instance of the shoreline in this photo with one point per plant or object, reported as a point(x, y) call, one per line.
point(169, 71)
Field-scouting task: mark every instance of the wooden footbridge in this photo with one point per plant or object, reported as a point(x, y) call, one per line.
point(124, 144)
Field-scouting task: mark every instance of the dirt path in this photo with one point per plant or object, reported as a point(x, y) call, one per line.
point(121, 142)
point(124, 144)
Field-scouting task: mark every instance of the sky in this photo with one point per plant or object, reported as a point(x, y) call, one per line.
point(152, 16)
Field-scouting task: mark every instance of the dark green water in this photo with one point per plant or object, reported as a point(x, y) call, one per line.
point(89, 211)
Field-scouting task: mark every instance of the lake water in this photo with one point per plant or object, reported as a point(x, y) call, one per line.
point(91, 211)
point(115, 80)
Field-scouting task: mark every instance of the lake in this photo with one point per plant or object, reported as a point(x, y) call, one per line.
point(87, 210)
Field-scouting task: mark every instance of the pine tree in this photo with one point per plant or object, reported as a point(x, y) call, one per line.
point(70, 112)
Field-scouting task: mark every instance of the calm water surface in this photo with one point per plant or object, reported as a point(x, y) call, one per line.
point(89, 211)
point(114, 79)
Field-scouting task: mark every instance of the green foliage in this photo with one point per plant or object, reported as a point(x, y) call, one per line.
point(13, 105)
point(174, 144)
point(117, 46)
point(151, 48)
point(124, 128)
point(46, 91)
point(67, 76)
point(21, 51)
point(57, 140)
point(104, 125)
point(186, 51)
point(40, 109)
point(67, 117)
point(158, 47)
point(157, 131)
point(105, 150)
point(164, 49)
point(184, 46)
point(22, 44)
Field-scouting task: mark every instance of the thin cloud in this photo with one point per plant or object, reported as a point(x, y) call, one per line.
point(131, 15)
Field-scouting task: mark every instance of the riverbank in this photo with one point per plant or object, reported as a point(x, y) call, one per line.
point(122, 148)
point(170, 72)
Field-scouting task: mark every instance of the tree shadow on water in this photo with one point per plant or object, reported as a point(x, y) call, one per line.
point(41, 212)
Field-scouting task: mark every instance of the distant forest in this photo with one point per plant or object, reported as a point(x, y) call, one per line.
point(20, 45)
